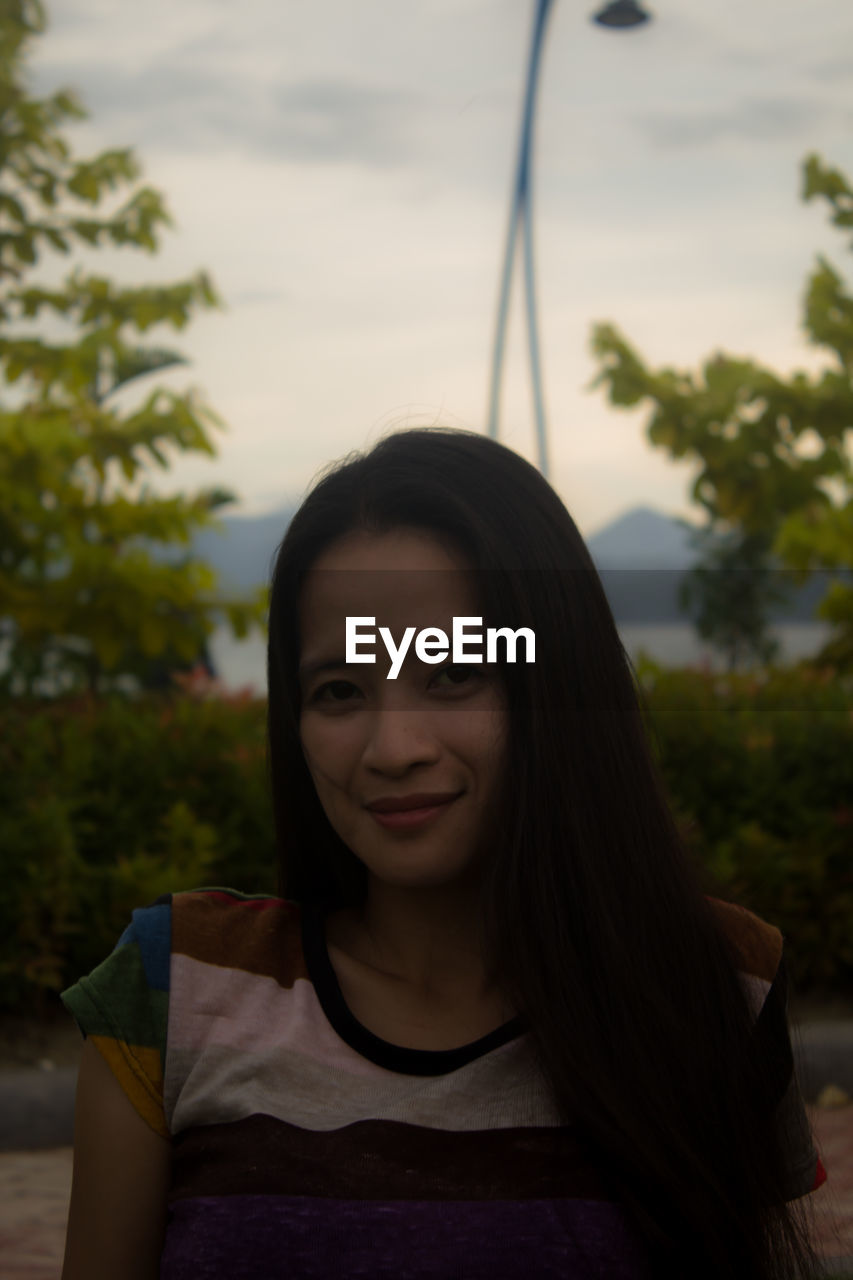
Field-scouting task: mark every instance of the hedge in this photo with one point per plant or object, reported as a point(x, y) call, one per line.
point(105, 803)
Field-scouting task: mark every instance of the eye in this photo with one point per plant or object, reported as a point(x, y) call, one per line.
point(467, 673)
point(459, 675)
point(332, 684)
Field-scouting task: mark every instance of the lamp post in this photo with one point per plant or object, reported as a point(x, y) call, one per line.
point(618, 13)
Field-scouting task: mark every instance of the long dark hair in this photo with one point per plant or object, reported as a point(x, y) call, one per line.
point(595, 914)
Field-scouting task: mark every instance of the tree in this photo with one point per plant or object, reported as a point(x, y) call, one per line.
point(743, 422)
point(78, 600)
point(728, 591)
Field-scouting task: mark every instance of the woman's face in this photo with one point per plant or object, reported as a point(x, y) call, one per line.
point(435, 728)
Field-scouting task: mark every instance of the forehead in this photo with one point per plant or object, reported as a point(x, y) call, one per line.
point(404, 578)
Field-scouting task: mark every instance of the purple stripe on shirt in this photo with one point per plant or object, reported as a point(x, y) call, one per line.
point(305, 1238)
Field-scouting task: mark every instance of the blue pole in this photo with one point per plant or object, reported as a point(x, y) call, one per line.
point(520, 206)
point(533, 339)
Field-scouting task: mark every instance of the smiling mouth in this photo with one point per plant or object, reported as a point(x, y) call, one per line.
point(404, 818)
point(418, 800)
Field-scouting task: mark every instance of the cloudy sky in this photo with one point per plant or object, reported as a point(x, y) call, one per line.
point(343, 171)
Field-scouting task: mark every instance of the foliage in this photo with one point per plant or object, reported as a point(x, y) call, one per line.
point(79, 602)
point(743, 422)
point(106, 804)
point(730, 588)
point(760, 770)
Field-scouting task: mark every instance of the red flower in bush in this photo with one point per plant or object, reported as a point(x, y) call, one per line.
point(198, 684)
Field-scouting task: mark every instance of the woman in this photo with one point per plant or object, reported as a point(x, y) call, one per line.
point(493, 1025)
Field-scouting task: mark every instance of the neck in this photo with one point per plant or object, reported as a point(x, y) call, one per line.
point(427, 939)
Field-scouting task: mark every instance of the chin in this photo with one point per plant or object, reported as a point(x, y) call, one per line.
point(417, 875)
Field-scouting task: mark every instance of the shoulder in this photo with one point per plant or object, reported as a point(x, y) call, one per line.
point(757, 944)
point(759, 949)
point(225, 927)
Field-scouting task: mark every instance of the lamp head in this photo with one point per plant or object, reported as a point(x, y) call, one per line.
point(621, 13)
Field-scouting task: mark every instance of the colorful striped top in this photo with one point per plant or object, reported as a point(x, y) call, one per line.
point(305, 1146)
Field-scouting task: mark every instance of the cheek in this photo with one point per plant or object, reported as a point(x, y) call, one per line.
point(328, 746)
point(487, 733)
point(496, 749)
point(314, 750)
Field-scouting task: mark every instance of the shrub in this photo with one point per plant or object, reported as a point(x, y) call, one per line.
point(107, 803)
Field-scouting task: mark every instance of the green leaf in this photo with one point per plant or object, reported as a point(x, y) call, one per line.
point(84, 183)
point(88, 229)
point(56, 239)
point(13, 207)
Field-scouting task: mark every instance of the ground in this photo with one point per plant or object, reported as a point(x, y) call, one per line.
point(26, 1041)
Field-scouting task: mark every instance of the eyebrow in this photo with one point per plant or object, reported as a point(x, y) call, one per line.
point(309, 669)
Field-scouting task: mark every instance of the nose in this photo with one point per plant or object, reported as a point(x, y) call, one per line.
point(398, 738)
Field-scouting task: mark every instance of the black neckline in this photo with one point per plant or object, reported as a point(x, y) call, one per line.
point(414, 1062)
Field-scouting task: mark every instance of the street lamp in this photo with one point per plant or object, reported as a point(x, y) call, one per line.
point(619, 13)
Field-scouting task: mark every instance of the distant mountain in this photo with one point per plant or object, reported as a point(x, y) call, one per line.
point(641, 539)
point(641, 557)
point(245, 551)
point(242, 552)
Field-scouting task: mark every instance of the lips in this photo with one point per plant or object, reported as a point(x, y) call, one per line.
point(421, 800)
